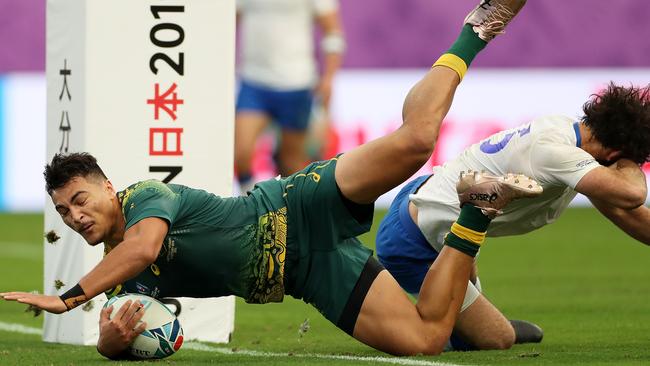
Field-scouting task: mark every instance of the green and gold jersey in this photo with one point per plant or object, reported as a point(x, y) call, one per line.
point(214, 246)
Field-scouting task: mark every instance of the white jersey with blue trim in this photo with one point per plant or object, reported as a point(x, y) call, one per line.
point(278, 41)
point(546, 149)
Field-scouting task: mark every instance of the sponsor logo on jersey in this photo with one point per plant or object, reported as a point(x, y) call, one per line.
point(584, 163)
point(171, 249)
point(141, 288)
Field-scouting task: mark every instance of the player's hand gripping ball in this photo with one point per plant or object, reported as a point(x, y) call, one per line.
point(163, 336)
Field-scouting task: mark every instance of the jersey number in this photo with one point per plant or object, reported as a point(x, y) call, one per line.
point(490, 148)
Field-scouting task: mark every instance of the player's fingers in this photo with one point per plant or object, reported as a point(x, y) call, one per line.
point(139, 313)
point(24, 300)
point(14, 295)
point(7, 296)
point(105, 314)
point(135, 306)
point(122, 310)
point(140, 328)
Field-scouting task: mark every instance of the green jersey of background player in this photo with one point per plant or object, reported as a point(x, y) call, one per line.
point(291, 236)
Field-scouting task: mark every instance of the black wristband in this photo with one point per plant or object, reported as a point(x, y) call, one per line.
point(74, 297)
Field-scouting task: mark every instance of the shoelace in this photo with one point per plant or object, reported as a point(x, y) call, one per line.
point(496, 20)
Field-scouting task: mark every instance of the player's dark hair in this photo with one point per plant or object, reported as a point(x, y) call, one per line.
point(619, 118)
point(67, 166)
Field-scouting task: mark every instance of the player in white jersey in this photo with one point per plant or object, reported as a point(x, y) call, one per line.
point(279, 76)
point(598, 156)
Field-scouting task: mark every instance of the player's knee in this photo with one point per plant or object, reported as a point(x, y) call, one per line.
point(419, 144)
point(499, 344)
point(428, 342)
point(415, 342)
point(500, 341)
point(433, 346)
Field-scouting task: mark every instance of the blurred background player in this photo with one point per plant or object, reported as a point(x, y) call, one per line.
point(598, 155)
point(279, 76)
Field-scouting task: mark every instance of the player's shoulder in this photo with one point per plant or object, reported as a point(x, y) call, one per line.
point(554, 129)
point(144, 189)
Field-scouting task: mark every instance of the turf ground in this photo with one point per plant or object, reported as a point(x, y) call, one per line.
point(581, 279)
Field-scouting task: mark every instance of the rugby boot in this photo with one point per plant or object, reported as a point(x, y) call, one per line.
point(526, 332)
point(491, 17)
point(491, 193)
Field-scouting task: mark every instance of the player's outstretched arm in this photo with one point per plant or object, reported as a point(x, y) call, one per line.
point(140, 248)
point(620, 185)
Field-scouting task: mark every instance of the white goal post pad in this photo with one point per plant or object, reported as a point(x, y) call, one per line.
point(147, 87)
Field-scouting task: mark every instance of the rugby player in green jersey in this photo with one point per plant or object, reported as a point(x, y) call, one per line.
point(292, 236)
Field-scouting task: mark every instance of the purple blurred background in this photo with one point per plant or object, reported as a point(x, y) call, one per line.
point(412, 33)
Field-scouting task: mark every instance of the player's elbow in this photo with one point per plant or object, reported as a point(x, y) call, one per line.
point(638, 202)
point(634, 199)
point(148, 254)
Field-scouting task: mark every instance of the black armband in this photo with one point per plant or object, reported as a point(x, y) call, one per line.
point(74, 297)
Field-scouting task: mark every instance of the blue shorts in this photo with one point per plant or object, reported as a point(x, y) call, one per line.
point(401, 247)
point(289, 109)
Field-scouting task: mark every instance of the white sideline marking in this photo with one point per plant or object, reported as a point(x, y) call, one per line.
point(390, 360)
point(19, 328)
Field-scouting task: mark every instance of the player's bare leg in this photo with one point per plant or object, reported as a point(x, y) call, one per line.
point(365, 173)
point(249, 125)
point(372, 169)
point(483, 326)
point(292, 152)
point(388, 320)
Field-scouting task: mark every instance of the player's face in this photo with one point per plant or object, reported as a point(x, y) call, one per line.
point(87, 206)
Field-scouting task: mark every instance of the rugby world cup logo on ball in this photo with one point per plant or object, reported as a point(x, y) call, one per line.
point(163, 336)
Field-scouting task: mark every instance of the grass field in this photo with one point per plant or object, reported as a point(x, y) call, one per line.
point(581, 279)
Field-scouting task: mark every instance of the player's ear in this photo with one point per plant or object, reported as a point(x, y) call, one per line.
point(612, 155)
point(109, 187)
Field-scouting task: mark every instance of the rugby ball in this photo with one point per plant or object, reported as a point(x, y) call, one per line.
point(163, 336)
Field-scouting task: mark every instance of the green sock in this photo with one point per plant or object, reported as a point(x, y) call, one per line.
point(472, 218)
point(468, 232)
point(467, 45)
